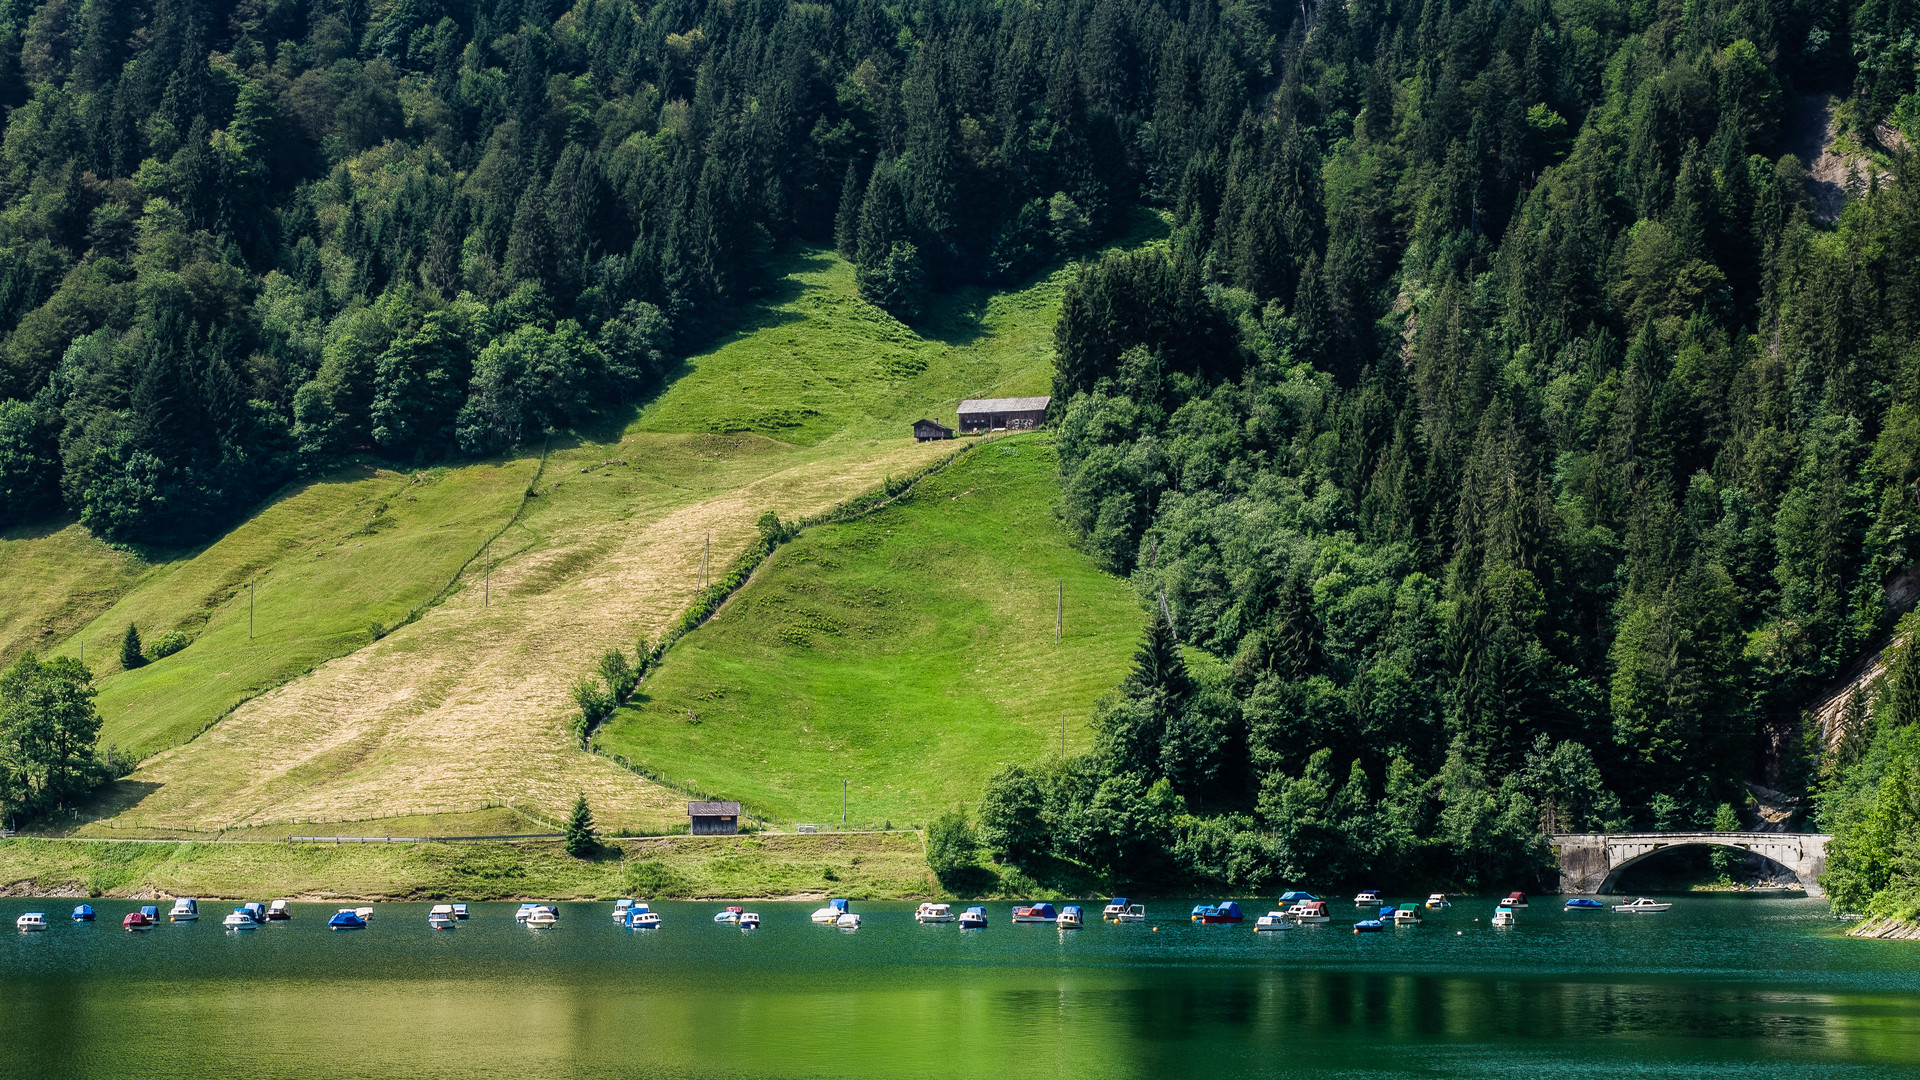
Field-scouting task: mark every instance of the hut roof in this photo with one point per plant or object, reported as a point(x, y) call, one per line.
point(713, 809)
point(1003, 405)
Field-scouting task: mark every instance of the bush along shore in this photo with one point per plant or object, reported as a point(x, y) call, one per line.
point(863, 866)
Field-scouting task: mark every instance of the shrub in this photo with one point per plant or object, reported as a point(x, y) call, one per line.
point(170, 642)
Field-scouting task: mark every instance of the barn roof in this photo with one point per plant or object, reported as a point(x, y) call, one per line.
point(713, 809)
point(1003, 405)
point(934, 423)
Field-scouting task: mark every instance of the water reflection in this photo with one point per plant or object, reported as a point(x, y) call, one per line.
point(1724, 987)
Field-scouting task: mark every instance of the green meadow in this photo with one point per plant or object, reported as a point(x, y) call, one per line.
point(908, 654)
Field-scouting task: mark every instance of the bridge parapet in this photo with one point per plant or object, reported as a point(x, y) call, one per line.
point(1592, 862)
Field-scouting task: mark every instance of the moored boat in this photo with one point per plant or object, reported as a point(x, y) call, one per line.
point(185, 909)
point(1115, 908)
point(525, 910)
point(1367, 897)
point(365, 913)
point(1310, 912)
point(151, 913)
point(1503, 916)
point(848, 921)
point(1069, 918)
point(1272, 920)
point(279, 911)
point(258, 912)
point(1295, 896)
point(749, 920)
point(460, 911)
point(542, 917)
point(346, 919)
point(136, 920)
point(933, 913)
point(974, 918)
point(441, 917)
point(83, 913)
point(1438, 900)
point(1226, 912)
point(620, 909)
point(1642, 905)
point(642, 918)
point(1134, 913)
point(1369, 926)
point(239, 919)
point(1035, 913)
point(1407, 915)
point(1516, 900)
point(30, 922)
point(731, 915)
point(830, 914)
point(1582, 903)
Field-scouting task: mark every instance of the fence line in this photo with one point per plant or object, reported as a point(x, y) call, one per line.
point(416, 839)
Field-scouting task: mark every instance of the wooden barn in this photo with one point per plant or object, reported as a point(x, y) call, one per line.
point(929, 430)
point(994, 414)
point(713, 818)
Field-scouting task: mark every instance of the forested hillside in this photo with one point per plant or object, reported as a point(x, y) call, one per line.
point(1501, 407)
point(1503, 412)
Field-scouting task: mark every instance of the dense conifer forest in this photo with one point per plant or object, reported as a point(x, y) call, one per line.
point(1510, 429)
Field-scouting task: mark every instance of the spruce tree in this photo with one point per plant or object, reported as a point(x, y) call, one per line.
point(130, 654)
point(846, 223)
point(581, 841)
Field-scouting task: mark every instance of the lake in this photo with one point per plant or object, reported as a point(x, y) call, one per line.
point(1719, 986)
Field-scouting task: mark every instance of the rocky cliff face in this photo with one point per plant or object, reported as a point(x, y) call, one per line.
point(1891, 929)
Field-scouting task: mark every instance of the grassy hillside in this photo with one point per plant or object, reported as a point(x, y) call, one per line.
point(864, 866)
point(908, 653)
point(468, 706)
point(54, 579)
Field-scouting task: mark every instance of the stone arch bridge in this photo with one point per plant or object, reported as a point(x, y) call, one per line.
point(1591, 863)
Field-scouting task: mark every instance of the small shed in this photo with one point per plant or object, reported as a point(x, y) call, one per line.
point(928, 430)
point(993, 414)
point(713, 818)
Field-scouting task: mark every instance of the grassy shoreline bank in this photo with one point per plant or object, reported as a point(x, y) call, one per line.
point(865, 866)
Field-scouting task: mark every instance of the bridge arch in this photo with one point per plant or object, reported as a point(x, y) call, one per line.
point(1593, 862)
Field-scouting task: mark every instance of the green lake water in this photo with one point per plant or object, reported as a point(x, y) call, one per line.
point(1719, 986)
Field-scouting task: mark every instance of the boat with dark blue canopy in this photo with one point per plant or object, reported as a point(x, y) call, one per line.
point(83, 913)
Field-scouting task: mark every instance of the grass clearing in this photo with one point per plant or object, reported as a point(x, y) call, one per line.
point(54, 579)
point(860, 866)
point(909, 653)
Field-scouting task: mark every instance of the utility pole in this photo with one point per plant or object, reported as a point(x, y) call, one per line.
point(1060, 612)
point(249, 611)
point(486, 579)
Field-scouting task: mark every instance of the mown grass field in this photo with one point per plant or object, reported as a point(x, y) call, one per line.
point(909, 654)
point(54, 579)
point(860, 866)
point(469, 705)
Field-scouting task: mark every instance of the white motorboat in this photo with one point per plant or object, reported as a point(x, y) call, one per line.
point(239, 919)
point(1438, 900)
point(830, 915)
point(732, 914)
point(1310, 911)
point(1114, 909)
point(1273, 920)
point(365, 913)
point(933, 913)
point(1407, 915)
point(1516, 900)
point(185, 910)
point(1134, 913)
point(1368, 898)
point(542, 917)
point(848, 921)
point(1642, 904)
point(643, 919)
point(460, 911)
point(749, 920)
point(1069, 918)
point(620, 909)
point(525, 910)
point(278, 911)
point(1503, 916)
point(441, 917)
point(30, 922)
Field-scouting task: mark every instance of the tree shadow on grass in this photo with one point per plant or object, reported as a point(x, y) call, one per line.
point(106, 802)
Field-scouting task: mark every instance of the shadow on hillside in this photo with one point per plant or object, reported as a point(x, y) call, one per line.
point(38, 530)
point(108, 802)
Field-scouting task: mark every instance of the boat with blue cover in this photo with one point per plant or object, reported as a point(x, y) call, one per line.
point(1367, 897)
point(185, 909)
point(1225, 912)
point(240, 919)
point(1295, 896)
point(83, 913)
point(640, 917)
point(1369, 926)
point(1070, 918)
point(1115, 908)
point(1035, 913)
point(1582, 903)
point(346, 919)
point(974, 918)
point(830, 914)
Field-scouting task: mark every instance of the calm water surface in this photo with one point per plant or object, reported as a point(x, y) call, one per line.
point(1716, 987)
